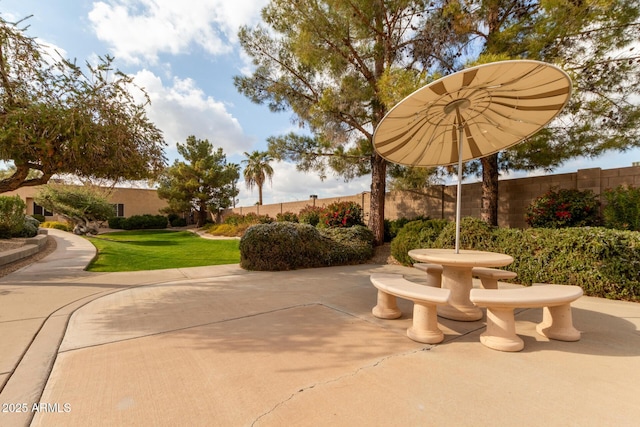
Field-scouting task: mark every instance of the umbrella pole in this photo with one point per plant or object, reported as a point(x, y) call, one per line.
point(459, 191)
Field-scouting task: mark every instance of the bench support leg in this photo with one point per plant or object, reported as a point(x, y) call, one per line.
point(387, 307)
point(557, 324)
point(488, 283)
point(434, 279)
point(425, 324)
point(501, 330)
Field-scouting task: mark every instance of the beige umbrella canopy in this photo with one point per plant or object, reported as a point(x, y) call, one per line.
point(477, 112)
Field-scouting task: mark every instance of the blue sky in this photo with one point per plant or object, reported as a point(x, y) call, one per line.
point(185, 53)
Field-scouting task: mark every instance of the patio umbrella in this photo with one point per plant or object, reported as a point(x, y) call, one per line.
point(470, 114)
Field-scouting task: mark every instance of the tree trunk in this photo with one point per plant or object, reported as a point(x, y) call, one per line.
point(260, 194)
point(489, 212)
point(202, 215)
point(378, 183)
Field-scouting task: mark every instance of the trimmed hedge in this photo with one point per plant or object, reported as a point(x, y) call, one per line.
point(289, 246)
point(139, 222)
point(604, 262)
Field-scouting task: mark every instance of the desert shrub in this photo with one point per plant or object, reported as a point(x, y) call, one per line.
point(40, 218)
point(254, 218)
point(622, 209)
point(57, 225)
point(564, 208)
point(604, 262)
point(234, 219)
point(116, 222)
point(341, 214)
point(283, 246)
point(474, 234)
point(349, 245)
point(228, 230)
point(416, 235)
point(144, 222)
point(310, 215)
point(392, 227)
point(30, 227)
point(287, 246)
point(287, 217)
point(11, 216)
point(178, 222)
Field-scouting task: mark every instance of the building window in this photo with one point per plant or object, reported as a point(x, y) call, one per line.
point(39, 210)
point(118, 209)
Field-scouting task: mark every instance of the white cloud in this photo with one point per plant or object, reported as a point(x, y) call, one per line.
point(142, 29)
point(183, 109)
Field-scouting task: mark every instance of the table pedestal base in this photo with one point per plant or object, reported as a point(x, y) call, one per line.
point(460, 307)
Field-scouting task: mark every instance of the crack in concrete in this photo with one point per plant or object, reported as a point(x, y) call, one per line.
point(338, 379)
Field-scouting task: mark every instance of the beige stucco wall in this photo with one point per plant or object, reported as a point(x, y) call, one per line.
point(440, 201)
point(136, 201)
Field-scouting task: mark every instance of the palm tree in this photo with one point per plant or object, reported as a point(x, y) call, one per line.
point(257, 170)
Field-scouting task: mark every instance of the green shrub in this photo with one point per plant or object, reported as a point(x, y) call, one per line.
point(474, 234)
point(392, 227)
point(283, 246)
point(56, 225)
point(30, 228)
point(287, 217)
point(40, 218)
point(11, 216)
point(234, 219)
point(349, 244)
point(116, 222)
point(622, 209)
point(310, 215)
point(342, 214)
point(254, 218)
point(603, 262)
point(227, 230)
point(415, 235)
point(288, 245)
point(178, 222)
point(139, 222)
point(564, 208)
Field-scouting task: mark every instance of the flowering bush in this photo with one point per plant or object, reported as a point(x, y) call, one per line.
point(564, 208)
point(342, 214)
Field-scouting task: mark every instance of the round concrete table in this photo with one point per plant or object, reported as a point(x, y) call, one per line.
point(456, 276)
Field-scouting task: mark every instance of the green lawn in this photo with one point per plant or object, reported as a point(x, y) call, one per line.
point(159, 249)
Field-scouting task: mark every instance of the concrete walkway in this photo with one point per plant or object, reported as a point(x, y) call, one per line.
point(221, 346)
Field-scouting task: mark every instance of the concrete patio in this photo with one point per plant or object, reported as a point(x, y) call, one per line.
point(221, 346)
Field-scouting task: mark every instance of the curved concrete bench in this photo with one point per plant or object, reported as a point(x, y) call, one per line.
point(434, 273)
point(556, 322)
point(425, 299)
point(490, 276)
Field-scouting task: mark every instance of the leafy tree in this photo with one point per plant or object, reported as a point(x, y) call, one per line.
point(81, 205)
point(592, 40)
point(234, 169)
point(201, 183)
point(336, 65)
point(257, 170)
point(55, 118)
